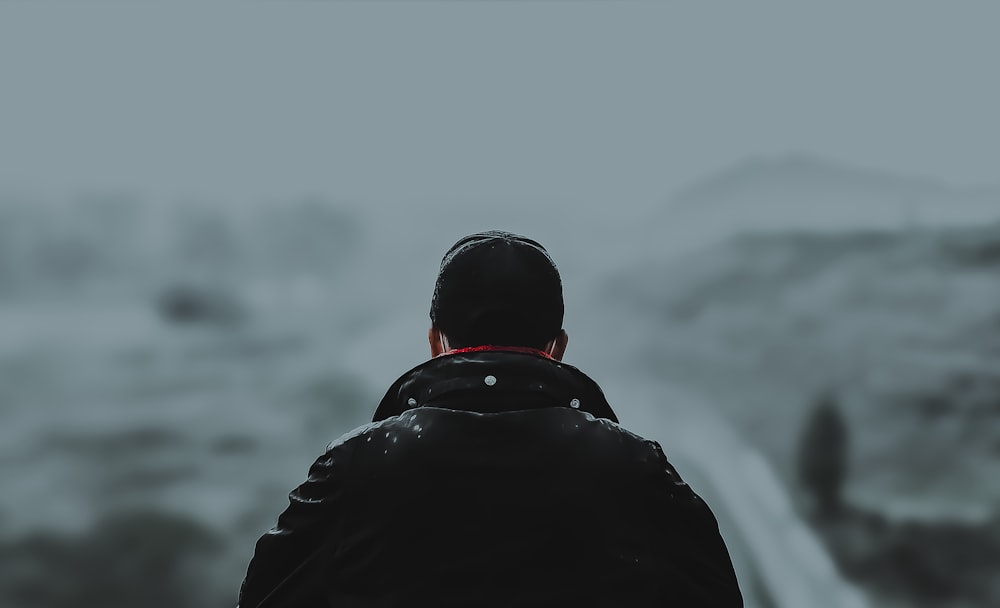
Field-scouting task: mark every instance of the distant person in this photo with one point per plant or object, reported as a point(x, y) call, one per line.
point(493, 475)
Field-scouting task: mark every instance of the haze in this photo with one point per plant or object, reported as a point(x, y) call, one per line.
point(597, 104)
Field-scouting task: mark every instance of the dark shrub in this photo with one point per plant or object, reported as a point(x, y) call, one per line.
point(139, 558)
point(822, 456)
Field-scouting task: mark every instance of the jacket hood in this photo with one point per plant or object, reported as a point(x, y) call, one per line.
point(495, 380)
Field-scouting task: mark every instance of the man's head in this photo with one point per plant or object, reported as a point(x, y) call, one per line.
point(497, 288)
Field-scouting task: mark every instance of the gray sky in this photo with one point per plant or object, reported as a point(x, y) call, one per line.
point(564, 102)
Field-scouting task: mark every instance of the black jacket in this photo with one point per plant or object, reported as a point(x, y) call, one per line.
point(492, 479)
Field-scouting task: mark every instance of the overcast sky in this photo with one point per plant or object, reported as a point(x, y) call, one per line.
point(557, 101)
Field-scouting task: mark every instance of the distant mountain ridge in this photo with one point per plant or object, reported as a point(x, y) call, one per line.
point(801, 191)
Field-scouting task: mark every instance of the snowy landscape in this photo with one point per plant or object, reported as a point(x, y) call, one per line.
point(777, 224)
point(168, 373)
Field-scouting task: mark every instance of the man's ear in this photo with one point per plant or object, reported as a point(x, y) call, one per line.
point(438, 341)
point(556, 347)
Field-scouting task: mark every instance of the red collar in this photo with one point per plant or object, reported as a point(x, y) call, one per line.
point(492, 348)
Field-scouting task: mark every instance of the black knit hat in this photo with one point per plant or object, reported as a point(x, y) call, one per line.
point(498, 288)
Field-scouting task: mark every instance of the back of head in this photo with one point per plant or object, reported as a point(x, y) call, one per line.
point(498, 288)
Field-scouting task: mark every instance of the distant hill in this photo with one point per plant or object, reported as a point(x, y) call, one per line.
point(806, 192)
point(904, 327)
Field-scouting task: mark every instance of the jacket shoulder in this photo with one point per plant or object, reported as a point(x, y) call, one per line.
point(457, 441)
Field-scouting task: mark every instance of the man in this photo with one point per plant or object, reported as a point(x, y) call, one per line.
point(493, 475)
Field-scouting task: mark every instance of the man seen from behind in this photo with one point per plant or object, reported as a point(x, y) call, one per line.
point(493, 475)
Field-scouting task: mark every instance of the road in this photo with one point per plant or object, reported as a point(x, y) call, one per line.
point(778, 560)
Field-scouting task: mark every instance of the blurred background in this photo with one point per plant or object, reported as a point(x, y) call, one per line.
point(778, 228)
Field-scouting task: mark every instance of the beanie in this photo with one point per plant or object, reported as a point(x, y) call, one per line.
point(497, 288)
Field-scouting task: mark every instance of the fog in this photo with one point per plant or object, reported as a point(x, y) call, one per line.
point(777, 228)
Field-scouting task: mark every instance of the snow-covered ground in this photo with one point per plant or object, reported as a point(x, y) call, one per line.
point(305, 313)
point(902, 327)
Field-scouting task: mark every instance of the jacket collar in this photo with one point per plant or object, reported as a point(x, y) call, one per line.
point(493, 348)
point(494, 379)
